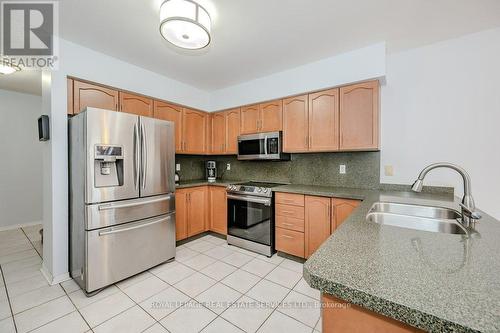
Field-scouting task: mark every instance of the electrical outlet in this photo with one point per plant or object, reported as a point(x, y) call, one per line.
point(342, 169)
point(177, 167)
point(389, 170)
point(228, 166)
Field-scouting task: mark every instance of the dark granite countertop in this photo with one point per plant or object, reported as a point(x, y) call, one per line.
point(433, 281)
point(203, 182)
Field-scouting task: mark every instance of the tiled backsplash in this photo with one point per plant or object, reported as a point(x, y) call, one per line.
point(362, 169)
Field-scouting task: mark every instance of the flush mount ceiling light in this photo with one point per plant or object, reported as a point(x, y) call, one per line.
point(185, 24)
point(7, 68)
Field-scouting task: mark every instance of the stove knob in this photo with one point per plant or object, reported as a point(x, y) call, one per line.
point(259, 189)
point(265, 190)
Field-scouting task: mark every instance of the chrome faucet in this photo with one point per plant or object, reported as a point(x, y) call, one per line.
point(469, 215)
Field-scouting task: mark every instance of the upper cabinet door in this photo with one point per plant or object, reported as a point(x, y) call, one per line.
point(324, 120)
point(218, 133)
point(194, 127)
point(90, 95)
point(295, 128)
point(250, 119)
point(359, 116)
point(135, 104)
point(232, 130)
point(170, 112)
point(271, 116)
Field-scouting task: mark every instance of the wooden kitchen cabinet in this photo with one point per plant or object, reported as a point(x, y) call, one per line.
point(218, 210)
point(218, 128)
point(317, 222)
point(191, 211)
point(290, 241)
point(232, 131)
point(324, 121)
point(340, 316)
point(341, 209)
point(181, 214)
point(250, 119)
point(194, 131)
point(135, 104)
point(173, 113)
point(359, 116)
point(69, 91)
point(271, 116)
point(295, 124)
point(91, 95)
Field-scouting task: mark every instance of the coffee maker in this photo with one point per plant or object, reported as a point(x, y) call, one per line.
point(211, 171)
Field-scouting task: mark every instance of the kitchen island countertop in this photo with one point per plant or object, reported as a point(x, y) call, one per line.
point(433, 281)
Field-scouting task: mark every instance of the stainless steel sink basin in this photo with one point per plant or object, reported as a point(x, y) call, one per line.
point(426, 218)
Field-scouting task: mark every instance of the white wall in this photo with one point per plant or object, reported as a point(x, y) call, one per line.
point(358, 65)
point(442, 103)
point(76, 60)
point(21, 160)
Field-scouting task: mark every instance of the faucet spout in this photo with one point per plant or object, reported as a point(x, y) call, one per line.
point(468, 206)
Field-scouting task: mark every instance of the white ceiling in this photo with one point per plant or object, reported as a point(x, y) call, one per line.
point(255, 38)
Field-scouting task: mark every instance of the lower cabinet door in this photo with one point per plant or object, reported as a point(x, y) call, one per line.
point(196, 210)
point(218, 210)
point(119, 252)
point(317, 222)
point(342, 208)
point(181, 215)
point(289, 241)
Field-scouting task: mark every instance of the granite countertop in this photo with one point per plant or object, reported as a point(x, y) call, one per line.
point(203, 182)
point(433, 281)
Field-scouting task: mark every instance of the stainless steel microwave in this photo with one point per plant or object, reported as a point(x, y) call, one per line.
point(262, 146)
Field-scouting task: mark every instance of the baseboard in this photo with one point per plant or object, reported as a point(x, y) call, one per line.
point(52, 280)
point(20, 225)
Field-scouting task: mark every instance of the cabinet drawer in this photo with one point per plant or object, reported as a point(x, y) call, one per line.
point(291, 242)
point(290, 211)
point(289, 223)
point(290, 199)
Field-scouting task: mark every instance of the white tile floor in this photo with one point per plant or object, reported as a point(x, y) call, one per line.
point(210, 287)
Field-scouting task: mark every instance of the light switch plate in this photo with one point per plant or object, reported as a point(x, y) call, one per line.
point(342, 169)
point(177, 167)
point(389, 170)
point(228, 166)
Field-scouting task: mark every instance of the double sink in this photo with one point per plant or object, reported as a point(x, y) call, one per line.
point(426, 218)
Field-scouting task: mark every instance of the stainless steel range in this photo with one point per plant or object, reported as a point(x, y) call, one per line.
point(250, 216)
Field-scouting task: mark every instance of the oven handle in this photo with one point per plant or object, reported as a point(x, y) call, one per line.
point(266, 201)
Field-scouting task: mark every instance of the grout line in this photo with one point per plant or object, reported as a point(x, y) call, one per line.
point(29, 240)
point(77, 310)
point(8, 298)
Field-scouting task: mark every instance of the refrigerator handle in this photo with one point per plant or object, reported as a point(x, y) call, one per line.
point(144, 156)
point(136, 156)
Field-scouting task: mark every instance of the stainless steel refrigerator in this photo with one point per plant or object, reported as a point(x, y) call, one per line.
point(122, 200)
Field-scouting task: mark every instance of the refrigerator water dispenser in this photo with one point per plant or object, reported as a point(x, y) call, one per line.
point(108, 166)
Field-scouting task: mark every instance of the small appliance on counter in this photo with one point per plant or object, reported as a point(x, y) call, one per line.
point(177, 179)
point(211, 171)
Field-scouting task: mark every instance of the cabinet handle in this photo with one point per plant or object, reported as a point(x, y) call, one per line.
point(309, 141)
point(287, 212)
point(289, 224)
point(307, 144)
point(286, 236)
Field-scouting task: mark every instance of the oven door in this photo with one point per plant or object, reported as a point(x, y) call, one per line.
point(250, 218)
point(262, 146)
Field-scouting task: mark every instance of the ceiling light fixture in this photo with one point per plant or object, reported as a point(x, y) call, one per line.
point(7, 68)
point(185, 24)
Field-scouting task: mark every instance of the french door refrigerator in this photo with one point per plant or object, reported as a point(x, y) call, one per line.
point(122, 196)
